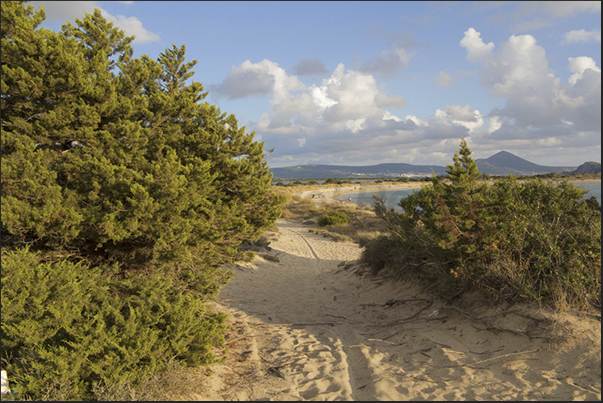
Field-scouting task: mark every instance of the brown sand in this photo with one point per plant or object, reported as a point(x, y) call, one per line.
point(308, 327)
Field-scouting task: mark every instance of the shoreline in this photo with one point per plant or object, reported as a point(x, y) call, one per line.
point(331, 194)
point(328, 193)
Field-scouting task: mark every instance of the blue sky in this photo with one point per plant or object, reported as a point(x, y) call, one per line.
point(362, 83)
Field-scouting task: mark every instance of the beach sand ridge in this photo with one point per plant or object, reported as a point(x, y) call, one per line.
point(309, 327)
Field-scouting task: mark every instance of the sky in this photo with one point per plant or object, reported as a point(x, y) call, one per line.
point(364, 83)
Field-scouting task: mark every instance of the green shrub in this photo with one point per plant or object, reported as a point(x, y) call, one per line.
point(333, 217)
point(514, 241)
point(117, 163)
point(156, 176)
point(69, 327)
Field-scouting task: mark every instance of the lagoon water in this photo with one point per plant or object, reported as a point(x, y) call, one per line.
point(392, 197)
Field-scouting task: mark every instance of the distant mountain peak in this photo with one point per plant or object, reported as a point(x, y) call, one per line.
point(505, 156)
point(503, 152)
point(505, 163)
point(502, 163)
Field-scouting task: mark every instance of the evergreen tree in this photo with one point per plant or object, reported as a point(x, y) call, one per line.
point(454, 209)
point(511, 239)
point(127, 185)
point(117, 158)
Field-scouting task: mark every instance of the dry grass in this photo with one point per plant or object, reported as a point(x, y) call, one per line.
point(363, 225)
point(174, 384)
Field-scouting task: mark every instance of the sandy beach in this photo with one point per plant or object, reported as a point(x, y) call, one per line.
point(332, 194)
point(307, 326)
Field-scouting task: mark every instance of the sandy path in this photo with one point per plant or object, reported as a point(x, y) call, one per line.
point(308, 328)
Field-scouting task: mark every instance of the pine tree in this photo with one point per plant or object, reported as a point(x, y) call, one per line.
point(121, 159)
point(122, 179)
point(514, 240)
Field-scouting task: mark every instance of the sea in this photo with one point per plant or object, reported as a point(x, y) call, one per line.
point(393, 197)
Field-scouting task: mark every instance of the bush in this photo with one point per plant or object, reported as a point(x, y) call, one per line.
point(69, 327)
point(134, 191)
point(116, 158)
point(333, 217)
point(514, 241)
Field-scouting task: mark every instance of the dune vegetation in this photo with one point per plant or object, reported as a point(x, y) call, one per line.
point(125, 197)
point(509, 239)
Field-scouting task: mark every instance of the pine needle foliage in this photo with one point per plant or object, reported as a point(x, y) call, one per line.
point(117, 158)
point(128, 187)
point(528, 240)
point(70, 327)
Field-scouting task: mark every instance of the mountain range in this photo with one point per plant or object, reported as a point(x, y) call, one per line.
point(502, 163)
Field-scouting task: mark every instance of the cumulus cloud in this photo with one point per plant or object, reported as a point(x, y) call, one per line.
point(68, 11)
point(582, 36)
point(477, 50)
point(457, 115)
point(346, 116)
point(310, 68)
point(519, 72)
point(346, 101)
point(578, 65)
point(132, 26)
point(256, 79)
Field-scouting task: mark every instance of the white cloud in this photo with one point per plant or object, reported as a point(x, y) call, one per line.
point(535, 97)
point(387, 115)
point(348, 122)
point(549, 142)
point(518, 62)
point(477, 50)
point(456, 115)
point(444, 80)
point(494, 124)
point(578, 65)
point(256, 79)
point(346, 118)
point(68, 11)
point(355, 93)
point(355, 125)
point(346, 101)
point(582, 36)
point(132, 26)
point(320, 98)
point(415, 120)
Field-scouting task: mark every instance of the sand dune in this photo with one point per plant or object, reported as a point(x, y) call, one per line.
point(308, 327)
